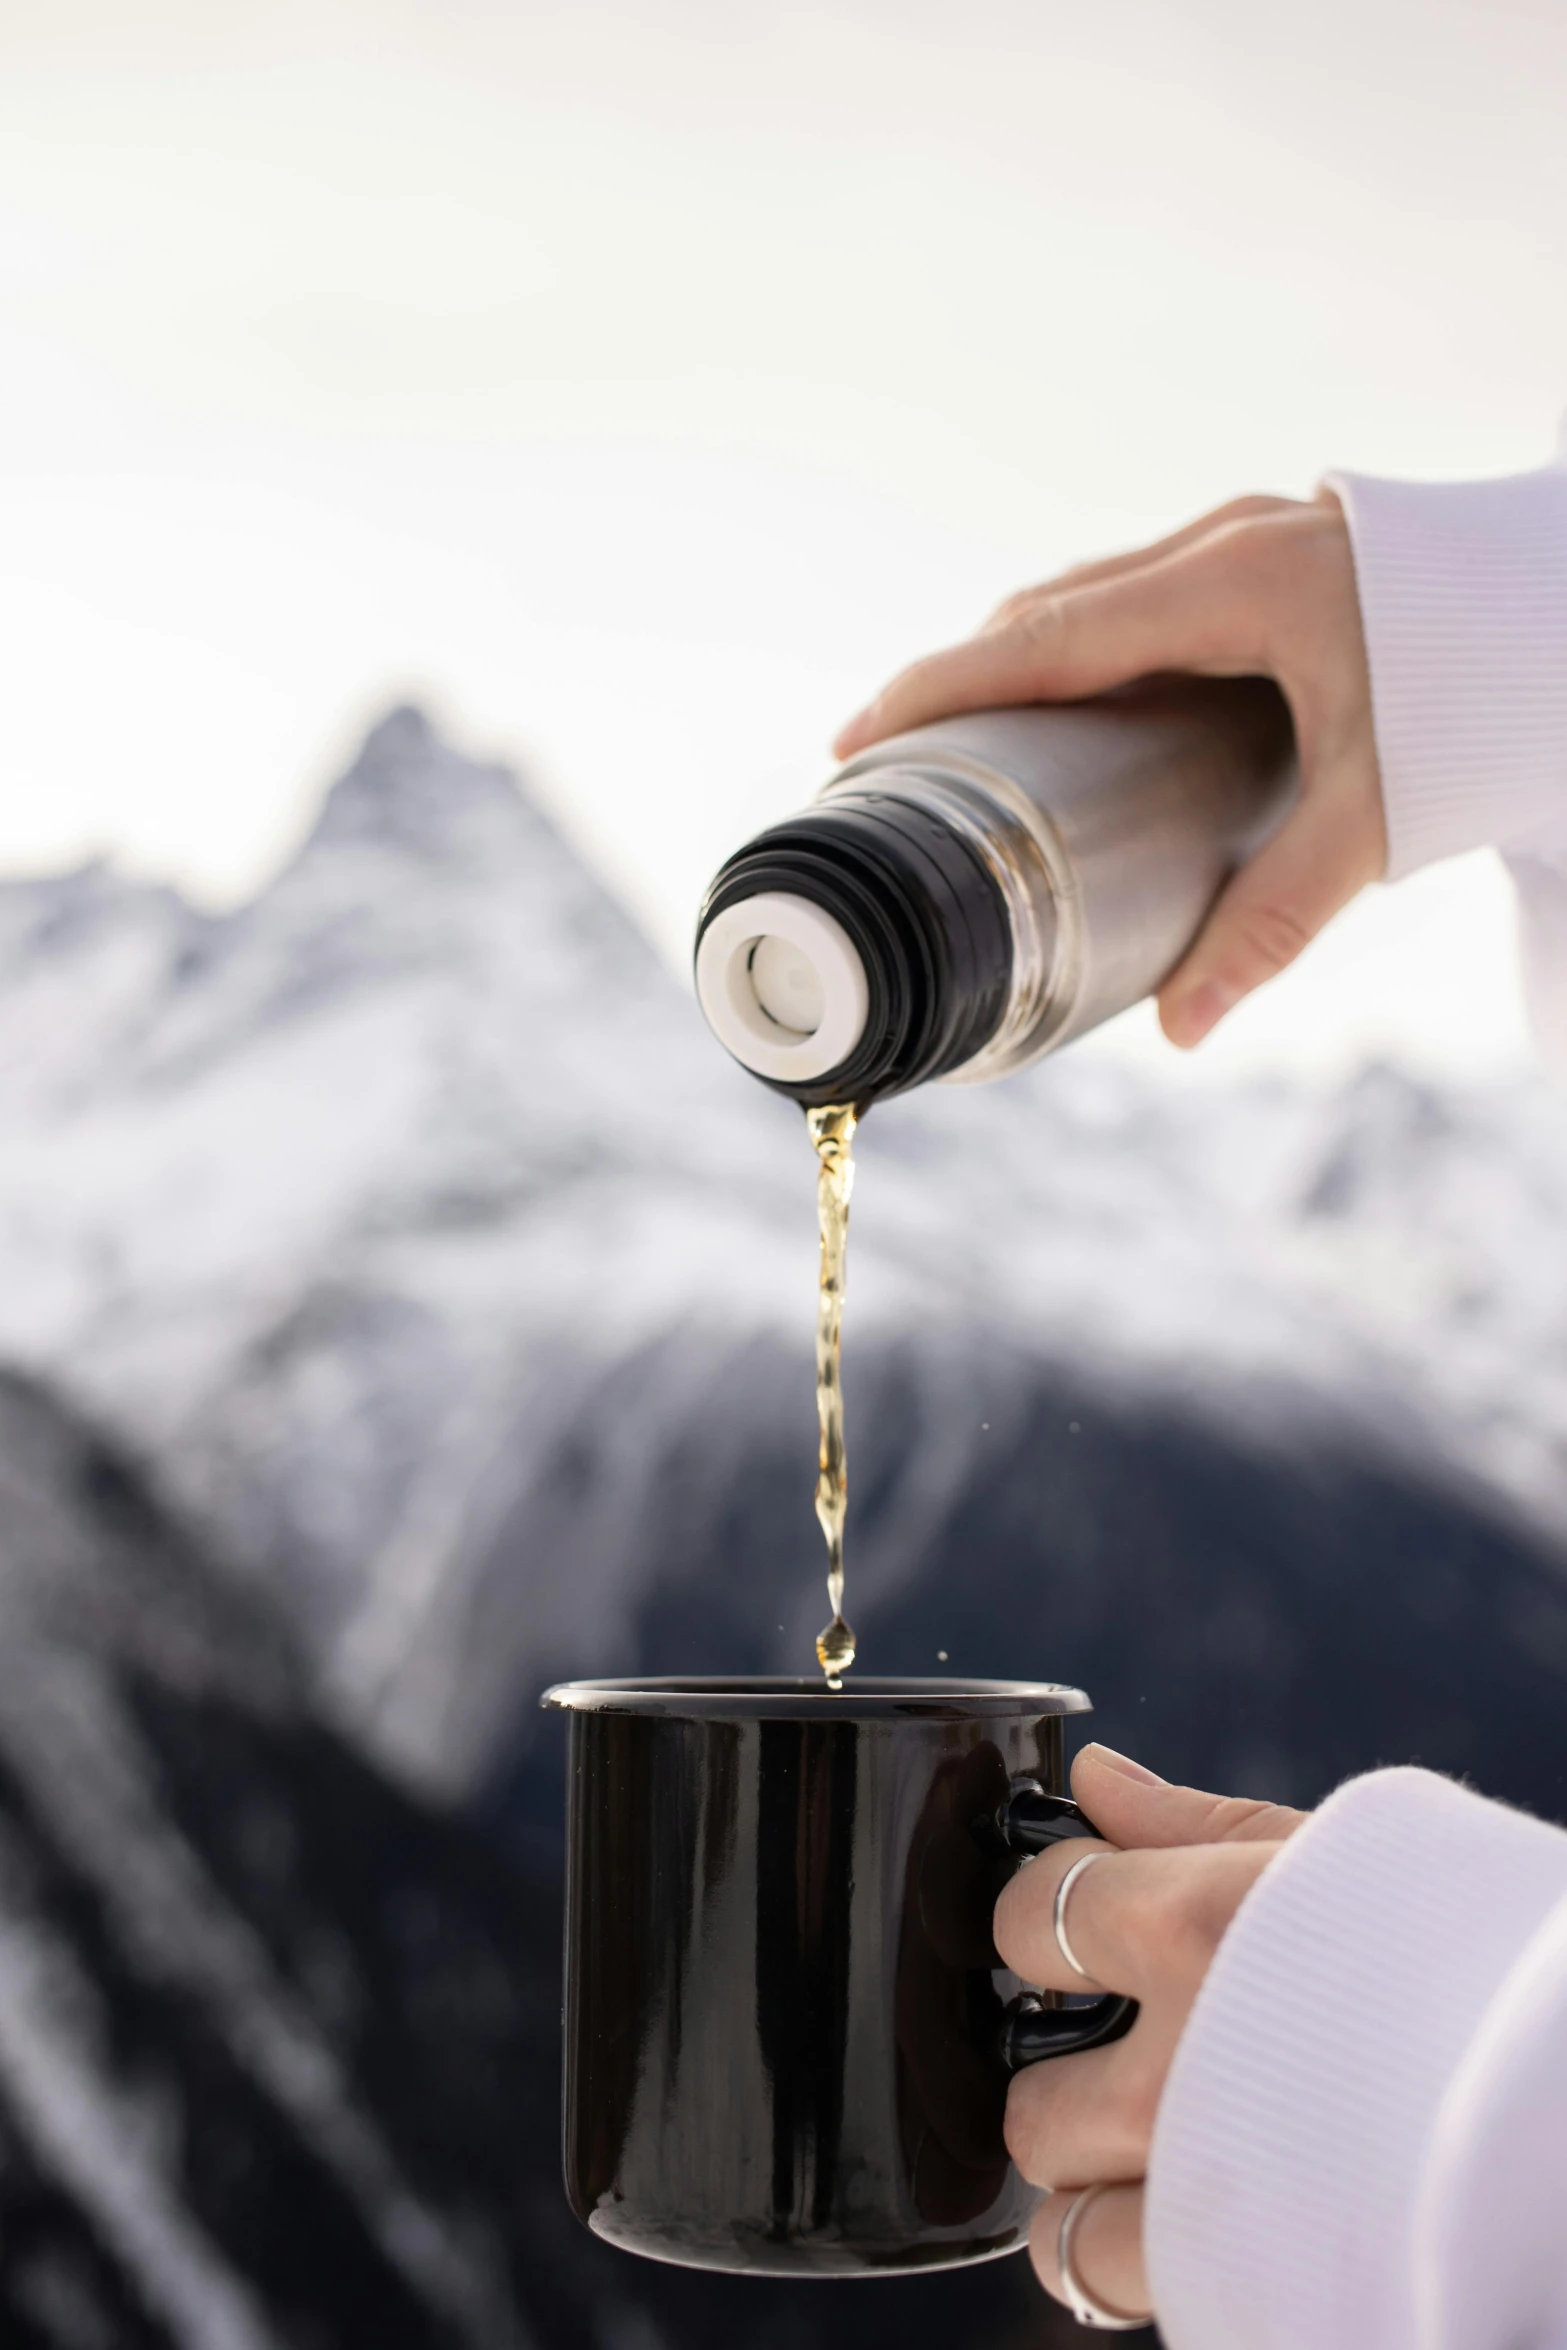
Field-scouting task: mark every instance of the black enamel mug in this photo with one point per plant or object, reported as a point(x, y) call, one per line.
point(788, 2034)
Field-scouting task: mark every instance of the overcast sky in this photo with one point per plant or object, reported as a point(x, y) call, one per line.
point(639, 380)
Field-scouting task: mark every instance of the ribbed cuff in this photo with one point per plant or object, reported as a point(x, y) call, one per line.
point(1463, 592)
point(1294, 2125)
point(1490, 2271)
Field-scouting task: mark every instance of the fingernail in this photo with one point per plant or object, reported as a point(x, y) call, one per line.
point(1190, 1019)
point(1123, 1764)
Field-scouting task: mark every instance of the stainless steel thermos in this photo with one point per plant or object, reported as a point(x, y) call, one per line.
point(965, 897)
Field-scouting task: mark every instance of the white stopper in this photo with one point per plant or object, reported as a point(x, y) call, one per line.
point(782, 985)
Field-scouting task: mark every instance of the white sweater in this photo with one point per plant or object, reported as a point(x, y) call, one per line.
point(1362, 2144)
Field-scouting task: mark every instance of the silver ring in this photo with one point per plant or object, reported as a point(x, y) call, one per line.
point(1059, 1913)
point(1084, 2307)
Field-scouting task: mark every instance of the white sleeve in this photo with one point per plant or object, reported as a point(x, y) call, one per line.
point(1362, 2143)
point(1463, 592)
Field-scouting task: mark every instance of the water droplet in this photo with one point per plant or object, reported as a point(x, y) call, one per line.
point(835, 1647)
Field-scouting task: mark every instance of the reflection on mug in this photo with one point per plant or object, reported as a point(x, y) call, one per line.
point(952, 2085)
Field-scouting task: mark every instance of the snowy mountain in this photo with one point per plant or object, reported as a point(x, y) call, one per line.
point(404, 1302)
point(408, 1223)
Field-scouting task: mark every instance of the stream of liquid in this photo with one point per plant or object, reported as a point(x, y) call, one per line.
point(832, 1132)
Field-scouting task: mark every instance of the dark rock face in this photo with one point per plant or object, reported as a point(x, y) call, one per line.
point(1264, 1617)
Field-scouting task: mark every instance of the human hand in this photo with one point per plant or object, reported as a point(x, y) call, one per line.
point(1146, 1920)
point(1263, 587)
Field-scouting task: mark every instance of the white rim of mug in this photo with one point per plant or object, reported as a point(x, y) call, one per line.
point(707, 1695)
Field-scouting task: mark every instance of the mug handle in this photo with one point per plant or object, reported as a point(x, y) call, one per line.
point(1031, 1821)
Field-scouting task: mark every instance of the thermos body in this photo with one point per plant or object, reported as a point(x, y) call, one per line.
point(965, 897)
point(1141, 809)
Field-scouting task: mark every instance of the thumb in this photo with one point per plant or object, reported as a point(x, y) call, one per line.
point(1132, 1809)
point(1320, 858)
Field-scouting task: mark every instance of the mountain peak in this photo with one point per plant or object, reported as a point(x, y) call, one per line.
point(409, 788)
point(405, 732)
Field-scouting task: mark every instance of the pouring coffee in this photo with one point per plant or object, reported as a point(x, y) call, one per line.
point(960, 900)
point(788, 2034)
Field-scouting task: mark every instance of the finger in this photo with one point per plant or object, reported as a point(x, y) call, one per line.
point(1276, 904)
point(1192, 611)
point(1107, 2250)
point(1134, 1808)
point(1115, 566)
point(1140, 1921)
point(1091, 2116)
point(1025, 1922)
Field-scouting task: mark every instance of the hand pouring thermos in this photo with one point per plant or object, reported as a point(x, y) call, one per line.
point(966, 897)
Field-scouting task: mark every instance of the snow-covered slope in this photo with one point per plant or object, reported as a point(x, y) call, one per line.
point(409, 1222)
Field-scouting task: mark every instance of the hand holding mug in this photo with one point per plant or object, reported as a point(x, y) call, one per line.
point(1145, 1920)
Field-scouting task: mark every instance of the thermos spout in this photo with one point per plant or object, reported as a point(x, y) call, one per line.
point(782, 984)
